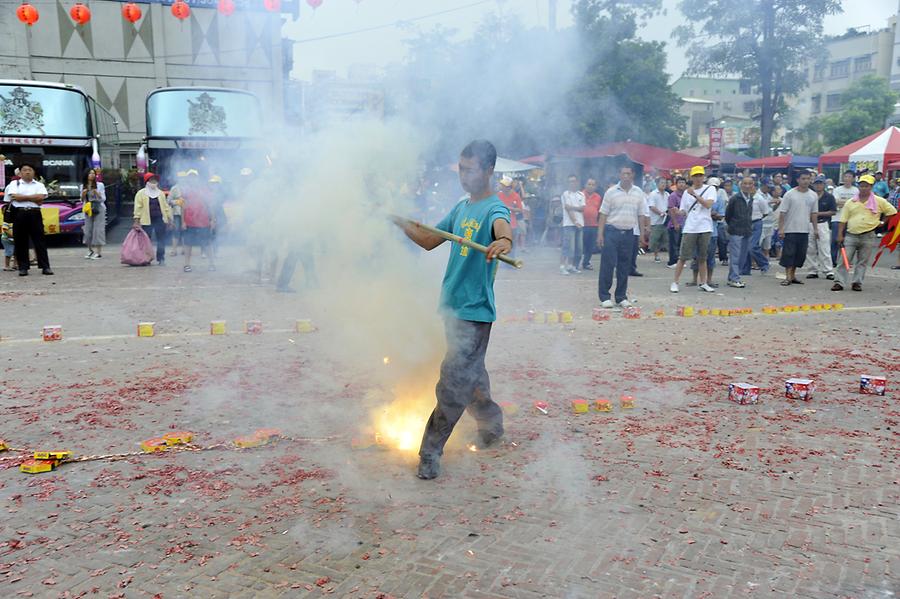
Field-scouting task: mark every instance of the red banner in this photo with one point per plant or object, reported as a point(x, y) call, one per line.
point(716, 134)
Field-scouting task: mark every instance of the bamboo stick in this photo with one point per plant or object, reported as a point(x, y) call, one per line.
point(460, 240)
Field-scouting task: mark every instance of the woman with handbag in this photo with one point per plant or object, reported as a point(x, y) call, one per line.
point(93, 197)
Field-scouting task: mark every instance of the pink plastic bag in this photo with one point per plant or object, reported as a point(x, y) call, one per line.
point(137, 250)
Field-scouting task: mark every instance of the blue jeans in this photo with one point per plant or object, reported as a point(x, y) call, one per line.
point(615, 257)
point(756, 252)
point(739, 250)
point(674, 244)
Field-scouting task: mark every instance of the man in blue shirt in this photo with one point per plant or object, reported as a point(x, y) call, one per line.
point(881, 188)
point(467, 306)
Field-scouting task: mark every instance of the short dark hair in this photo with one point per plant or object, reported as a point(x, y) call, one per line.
point(680, 179)
point(624, 166)
point(573, 176)
point(849, 173)
point(483, 151)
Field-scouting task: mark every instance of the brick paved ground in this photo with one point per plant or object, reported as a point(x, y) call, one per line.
point(685, 496)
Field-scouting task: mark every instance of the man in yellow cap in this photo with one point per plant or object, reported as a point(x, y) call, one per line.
point(696, 207)
point(857, 222)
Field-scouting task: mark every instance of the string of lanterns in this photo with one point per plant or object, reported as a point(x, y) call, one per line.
point(132, 13)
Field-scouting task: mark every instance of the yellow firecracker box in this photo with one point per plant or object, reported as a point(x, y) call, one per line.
point(703, 312)
point(304, 325)
point(52, 455)
point(770, 310)
point(37, 466)
point(178, 438)
point(716, 312)
point(686, 311)
point(627, 402)
point(154, 445)
point(826, 306)
point(246, 442)
point(253, 327)
point(3, 445)
point(551, 317)
point(659, 313)
point(837, 306)
point(566, 317)
point(805, 308)
point(790, 308)
point(217, 327)
point(579, 406)
point(603, 405)
point(146, 329)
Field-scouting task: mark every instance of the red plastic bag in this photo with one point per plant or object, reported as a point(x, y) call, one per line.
point(137, 249)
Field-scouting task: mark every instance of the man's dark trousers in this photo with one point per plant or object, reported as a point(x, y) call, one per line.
point(29, 224)
point(615, 257)
point(464, 385)
point(588, 244)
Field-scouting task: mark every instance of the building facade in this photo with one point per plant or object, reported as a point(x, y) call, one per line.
point(119, 62)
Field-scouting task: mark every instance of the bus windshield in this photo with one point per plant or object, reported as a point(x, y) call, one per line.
point(202, 113)
point(42, 111)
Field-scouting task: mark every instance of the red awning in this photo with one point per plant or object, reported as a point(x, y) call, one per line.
point(649, 156)
point(769, 162)
point(880, 147)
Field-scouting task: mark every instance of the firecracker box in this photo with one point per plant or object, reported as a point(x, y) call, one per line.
point(529, 316)
point(566, 317)
point(3, 445)
point(872, 384)
point(826, 307)
point(837, 306)
point(145, 329)
point(626, 402)
point(251, 441)
point(686, 311)
point(770, 310)
point(789, 308)
point(37, 466)
point(659, 313)
point(603, 405)
point(805, 308)
point(52, 332)
point(748, 310)
point(818, 307)
point(52, 455)
point(600, 315)
point(715, 312)
point(303, 325)
point(725, 312)
point(217, 327)
point(799, 389)
point(509, 408)
point(743, 393)
point(703, 311)
point(253, 327)
point(579, 406)
point(178, 438)
point(631, 313)
point(542, 406)
point(154, 445)
point(551, 317)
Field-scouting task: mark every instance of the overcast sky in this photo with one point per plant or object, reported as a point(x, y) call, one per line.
point(385, 45)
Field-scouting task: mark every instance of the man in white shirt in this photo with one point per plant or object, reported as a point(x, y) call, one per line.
point(658, 203)
point(696, 205)
point(760, 209)
point(842, 194)
point(572, 223)
point(621, 211)
point(26, 196)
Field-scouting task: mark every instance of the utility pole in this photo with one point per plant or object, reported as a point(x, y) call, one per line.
point(551, 13)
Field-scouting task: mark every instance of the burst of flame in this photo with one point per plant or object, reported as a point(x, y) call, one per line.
point(473, 448)
point(386, 360)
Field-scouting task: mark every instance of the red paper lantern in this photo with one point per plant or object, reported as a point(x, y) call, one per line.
point(226, 7)
point(131, 12)
point(314, 3)
point(272, 5)
point(80, 13)
point(27, 14)
point(181, 10)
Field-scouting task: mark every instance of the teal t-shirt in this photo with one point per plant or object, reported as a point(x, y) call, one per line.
point(468, 288)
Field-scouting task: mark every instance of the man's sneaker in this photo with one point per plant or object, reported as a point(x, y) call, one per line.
point(587, 267)
point(429, 467)
point(837, 287)
point(737, 284)
point(624, 304)
point(672, 266)
point(563, 270)
point(607, 304)
point(656, 259)
point(575, 271)
point(706, 288)
point(812, 275)
point(673, 287)
point(636, 274)
point(830, 276)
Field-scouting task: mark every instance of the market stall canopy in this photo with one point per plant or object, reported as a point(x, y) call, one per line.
point(775, 162)
point(649, 156)
point(882, 147)
point(893, 166)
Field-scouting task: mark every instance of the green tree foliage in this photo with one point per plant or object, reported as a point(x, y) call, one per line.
point(865, 108)
point(531, 91)
point(768, 42)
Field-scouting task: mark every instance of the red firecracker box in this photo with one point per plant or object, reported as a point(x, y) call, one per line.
point(743, 393)
point(631, 313)
point(599, 314)
point(603, 405)
point(52, 332)
point(627, 402)
point(799, 389)
point(253, 327)
point(872, 384)
point(686, 311)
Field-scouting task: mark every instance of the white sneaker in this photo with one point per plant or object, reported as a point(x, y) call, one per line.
point(575, 271)
point(624, 304)
point(607, 304)
point(571, 269)
point(673, 287)
point(707, 288)
point(672, 266)
point(563, 270)
point(89, 256)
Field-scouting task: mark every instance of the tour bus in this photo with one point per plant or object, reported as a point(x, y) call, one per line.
point(61, 131)
point(214, 130)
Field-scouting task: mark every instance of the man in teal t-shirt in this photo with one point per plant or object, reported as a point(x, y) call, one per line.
point(467, 305)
